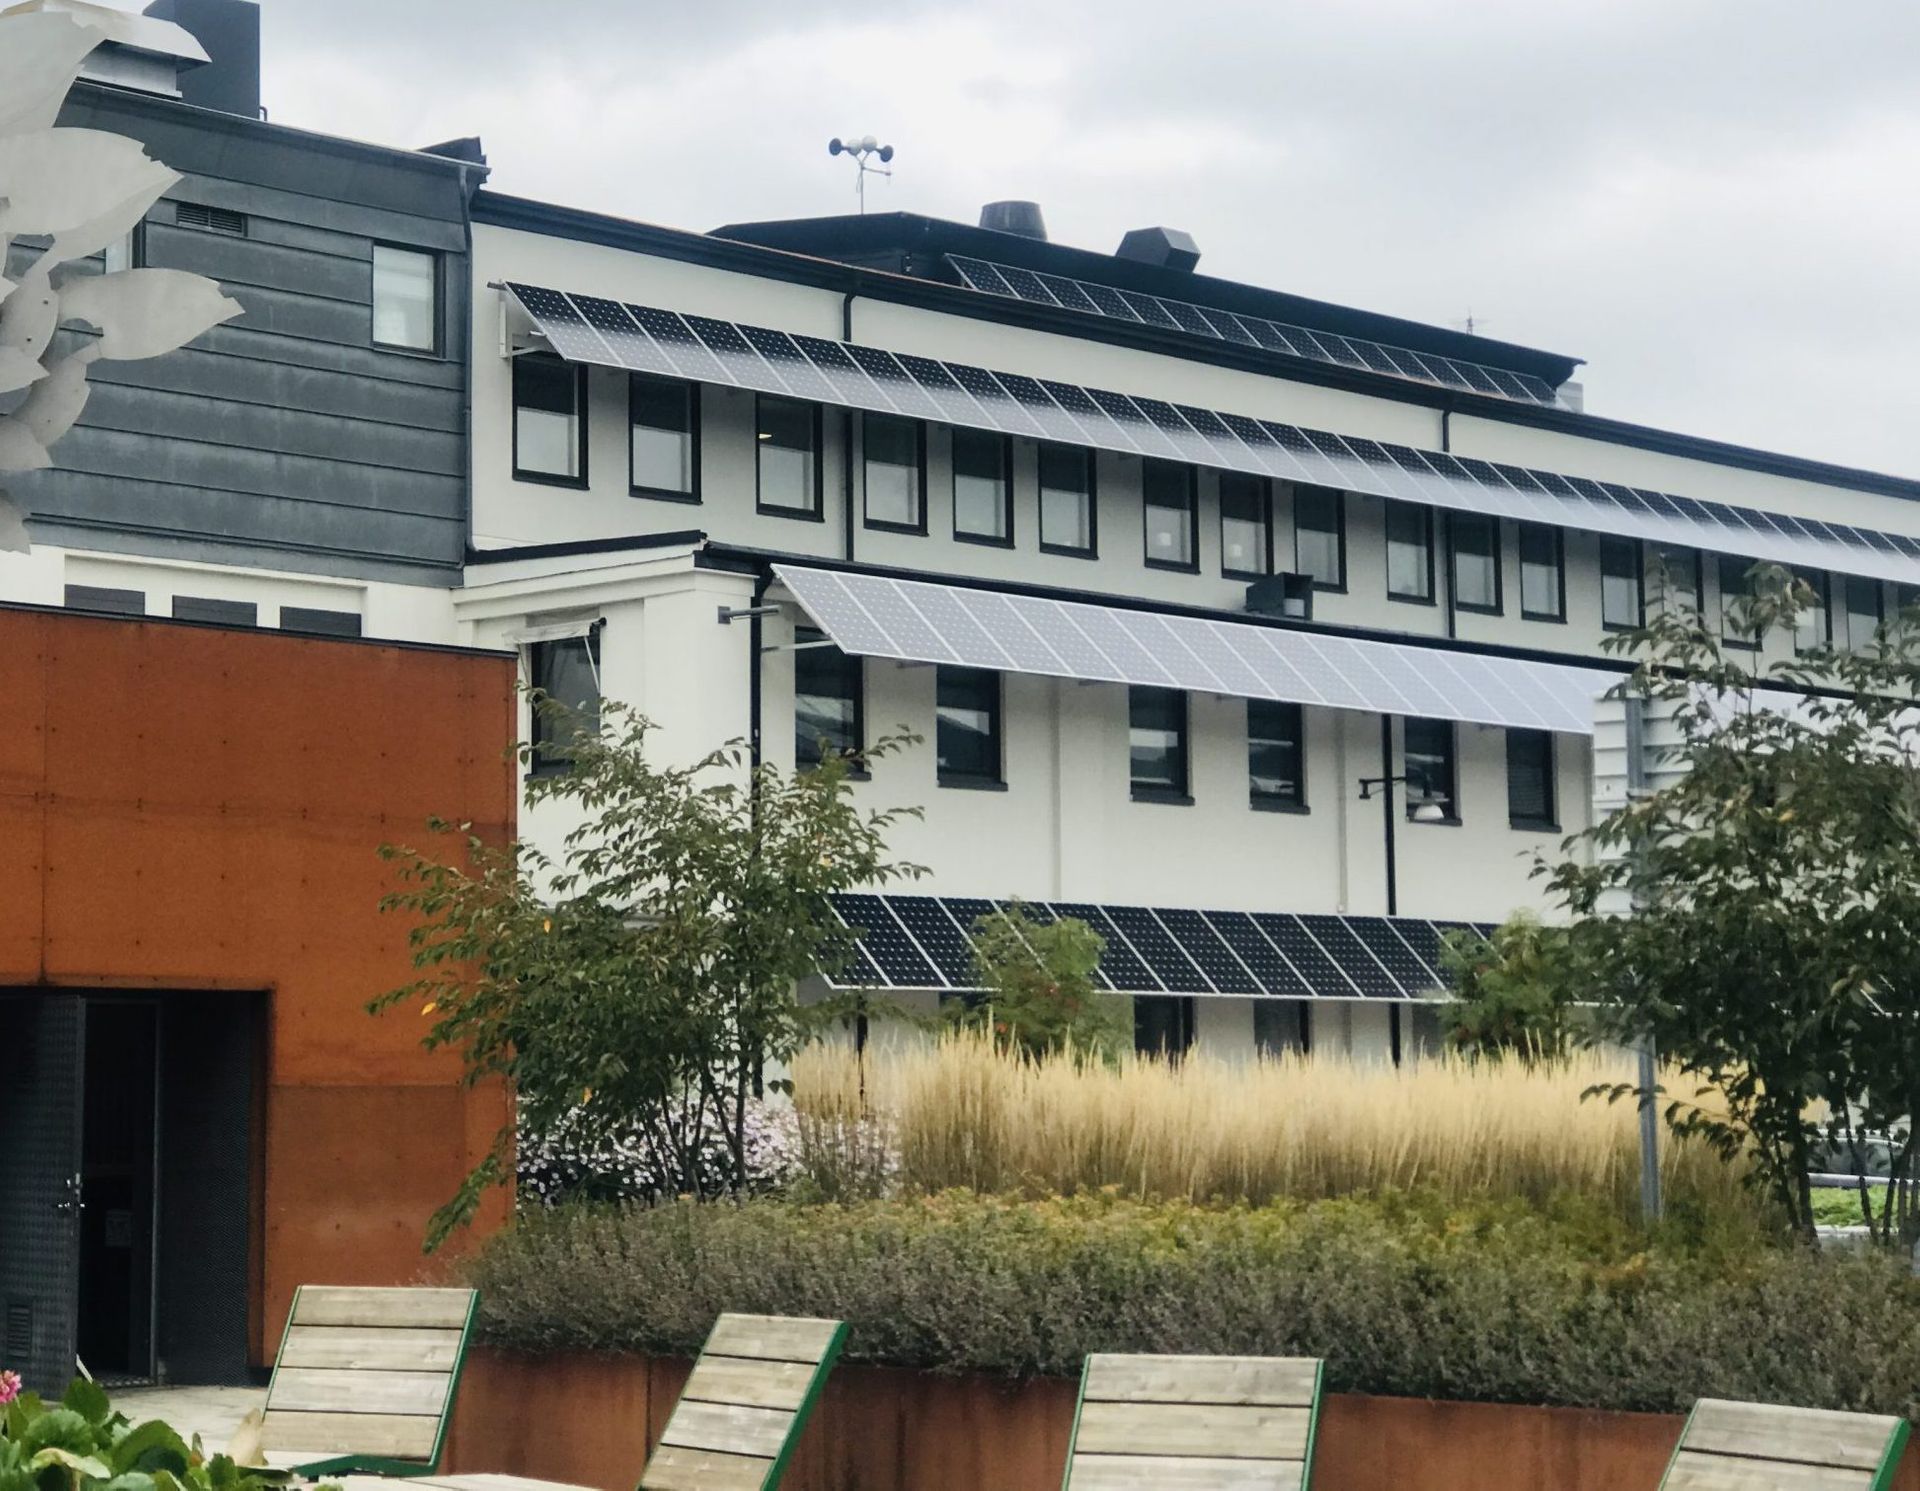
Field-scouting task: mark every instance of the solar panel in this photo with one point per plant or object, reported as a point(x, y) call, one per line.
point(650, 339)
point(870, 615)
point(1155, 950)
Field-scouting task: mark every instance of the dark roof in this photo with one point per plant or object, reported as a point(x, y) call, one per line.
point(907, 243)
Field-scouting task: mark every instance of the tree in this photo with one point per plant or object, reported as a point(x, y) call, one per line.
point(1514, 994)
point(1758, 917)
point(1041, 995)
point(639, 983)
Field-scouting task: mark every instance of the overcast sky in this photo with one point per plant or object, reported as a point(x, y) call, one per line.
point(1712, 202)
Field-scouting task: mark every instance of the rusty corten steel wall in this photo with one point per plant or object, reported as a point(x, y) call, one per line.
point(191, 808)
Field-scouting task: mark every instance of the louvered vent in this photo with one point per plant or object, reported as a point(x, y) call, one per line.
point(19, 1344)
point(211, 219)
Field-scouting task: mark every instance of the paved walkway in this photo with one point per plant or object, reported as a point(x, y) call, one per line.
point(211, 1412)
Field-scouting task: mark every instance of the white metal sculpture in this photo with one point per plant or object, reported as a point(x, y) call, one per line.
point(80, 190)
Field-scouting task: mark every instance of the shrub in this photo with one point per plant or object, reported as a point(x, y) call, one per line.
point(1496, 1302)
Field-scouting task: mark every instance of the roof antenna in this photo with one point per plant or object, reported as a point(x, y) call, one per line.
point(863, 149)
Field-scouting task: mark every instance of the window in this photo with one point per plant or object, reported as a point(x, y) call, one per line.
point(893, 461)
point(1731, 571)
point(567, 672)
point(829, 700)
point(1530, 794)
point(1157, 743)
point(549, 431)
point(1409, 552)
point(968, 726)
point(982, 487)
point(1320, 537)
point(319, 622)
point(1677, 579)
point(106, 598)
point(663, 438)
point(1622, 584)
point(1281, 1026)
point(1430, 767)
point(1246, 526)
point(1168, 490)
point(1066, 500)
point(215, 613)
point(406, 299)
point(128, 251)
point(1862, 612)
point(1812, 626)
point(1276, 755)
point(1162, 1025)
point(788, 433)
point(1543, 577)
point(1476, 561)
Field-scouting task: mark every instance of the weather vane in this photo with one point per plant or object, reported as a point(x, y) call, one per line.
point(865, 150)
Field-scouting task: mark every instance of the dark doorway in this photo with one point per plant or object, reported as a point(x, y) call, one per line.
point(1163, 1024)
point(120, 1132)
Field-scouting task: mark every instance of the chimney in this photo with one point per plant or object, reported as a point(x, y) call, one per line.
point(1164, 248)
point(146, 54)
point(230, 31)
point(1022, 218)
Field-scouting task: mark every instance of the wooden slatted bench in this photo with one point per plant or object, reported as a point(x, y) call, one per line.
point(741, 1412)
point(366, 1378)
point(1760, 1447)
point(1194, 1423)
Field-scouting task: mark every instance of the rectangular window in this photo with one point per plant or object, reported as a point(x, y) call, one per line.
point(1430, 767)
point(1163, 1025)
point(893, 468)
point(566, 672)
point(1731, 572)
point(1543, 573)
point(128, 251)
point(829, 700)
point(320, 623)
point(968, 742)
point(1172, 536)
point(1066, 500)
point(1246, 526)
point(215, 613)
point(1622, 584)
point(1276, 754)
point(1812, 625)
point(106, 598)
point(1476, 561)
point(1409, 551)
point(1281, 1026)
point(982, 487)
point(788, 435)
point(406, 298)
point(1530, 795)
point(1157, 743)
point(549, 425)
point(1320, 537)
point(663, 438)
point(1863, 615)
point(1677, 579)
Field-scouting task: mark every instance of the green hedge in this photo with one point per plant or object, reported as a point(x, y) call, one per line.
point(1403, 1297)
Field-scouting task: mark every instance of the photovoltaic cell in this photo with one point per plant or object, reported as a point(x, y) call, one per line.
point(1170, 964)
point(1254, 949)
point(685, 350)
point(1119, 962)
point(1305, 954)
point(1207, 952)
point(926, 920)
point(1408, 972)
point(887, 942)
point(622, 334)
point(1346, 950)
point(790, 363)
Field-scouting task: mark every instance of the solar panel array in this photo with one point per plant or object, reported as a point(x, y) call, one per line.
point(583, 328)
point(925, 942)
point(1090, 298)
point(918, 621)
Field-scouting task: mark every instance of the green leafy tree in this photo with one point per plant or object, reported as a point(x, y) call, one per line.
point(1758, 915)
point(1515, 993)
point(1041, 993)
point(639, 983)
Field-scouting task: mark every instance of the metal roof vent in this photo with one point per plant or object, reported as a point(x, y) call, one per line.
point(1015, 217)
point(1164, 248)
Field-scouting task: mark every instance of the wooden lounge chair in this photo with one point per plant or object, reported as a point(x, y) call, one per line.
point(1183, 1423)
point(1760, 1447)
point(365, 1380)
point(743, 1408)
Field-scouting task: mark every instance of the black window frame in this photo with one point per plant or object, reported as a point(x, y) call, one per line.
point(691, 392)
point(1636, 570)
point(918, 466)
point(1447, 734)
point(1005, 443)
point(438, 275)
point(1296, 735)
point(1262, 487)
point(1397, 508)
point(1181, 792)
point(1696, 560)
point(817, 513)
point(1821, 583)
point(810, 646)
point(1528, 740)
point(1556, 540)
point(1456, 522)
point(992, 690)
point(1728, 597)
point(1091, 464)
point(1337, 500)
point(540, 725)
point(1847, 584)
point(578, 372)
point(1191, 565)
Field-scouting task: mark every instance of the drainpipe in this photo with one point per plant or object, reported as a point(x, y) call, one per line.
point(1446, 520)
point(761, 583)
point(846, 443)
point(1393, 887)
